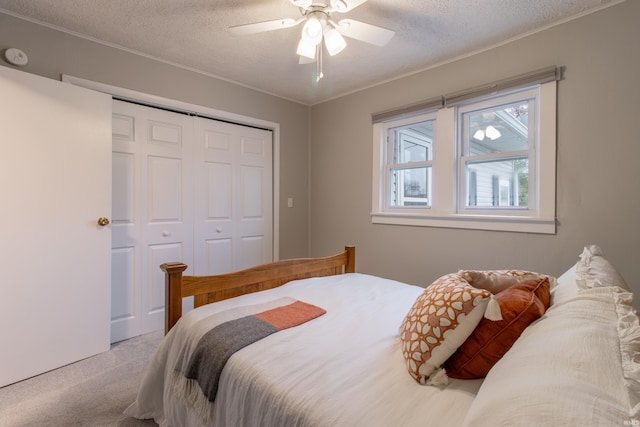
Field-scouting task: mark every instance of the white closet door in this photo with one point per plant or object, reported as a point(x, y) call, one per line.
point(55, 181)
point(152, 211)
point(234, 206)
point(185, 189)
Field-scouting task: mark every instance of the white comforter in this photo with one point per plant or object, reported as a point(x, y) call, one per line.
point(344, 368)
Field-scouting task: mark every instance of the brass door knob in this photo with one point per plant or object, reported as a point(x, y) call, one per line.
point(103, 221)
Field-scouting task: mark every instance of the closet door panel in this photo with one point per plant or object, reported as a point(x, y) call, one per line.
point(214, 204)
point(217, 195)
point(234, 203)
point(164, 180)
point(252, 185)
point(154, 213)
point(254, 200)
point(153, 296)
point(218, 254)
point(166, 184)
point(252, 251)
point(123, 208)
point(123, 290)
point(125, 227)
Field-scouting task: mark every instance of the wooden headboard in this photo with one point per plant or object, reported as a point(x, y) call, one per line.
point(207, 289)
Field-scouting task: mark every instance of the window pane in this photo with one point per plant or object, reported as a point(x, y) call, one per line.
point(498, 129)
point(501, 183)
point(410, 187)
point(412, 143)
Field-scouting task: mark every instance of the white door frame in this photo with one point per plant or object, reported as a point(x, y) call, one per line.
point(199, 110)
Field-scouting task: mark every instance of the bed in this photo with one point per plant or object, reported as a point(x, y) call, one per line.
point(358, 361)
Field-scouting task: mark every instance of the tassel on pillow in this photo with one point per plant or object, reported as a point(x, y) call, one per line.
point(438, 377)
point(492, 312)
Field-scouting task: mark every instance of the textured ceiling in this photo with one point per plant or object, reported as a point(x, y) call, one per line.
point(193, 33)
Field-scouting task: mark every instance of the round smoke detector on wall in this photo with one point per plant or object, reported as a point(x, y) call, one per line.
point(16, 57)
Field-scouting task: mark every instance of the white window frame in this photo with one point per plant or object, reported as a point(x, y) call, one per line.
point(444, 211)
point(389, 163)
point(530, 153)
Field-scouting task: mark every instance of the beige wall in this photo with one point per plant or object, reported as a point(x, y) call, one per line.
point(53, 53)
point(598, 189)
point(598, 145)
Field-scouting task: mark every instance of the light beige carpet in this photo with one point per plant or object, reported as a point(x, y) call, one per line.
point(91, 392)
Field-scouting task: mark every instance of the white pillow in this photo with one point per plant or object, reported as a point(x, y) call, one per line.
point(566, 288)
point(577, 365)
point(595, 271)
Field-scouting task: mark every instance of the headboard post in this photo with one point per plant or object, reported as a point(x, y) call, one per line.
point(350, 265)
point(173, 292)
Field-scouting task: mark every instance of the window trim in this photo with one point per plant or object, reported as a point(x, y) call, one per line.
point(541, 218)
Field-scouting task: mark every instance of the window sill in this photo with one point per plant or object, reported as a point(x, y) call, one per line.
point(518, 224)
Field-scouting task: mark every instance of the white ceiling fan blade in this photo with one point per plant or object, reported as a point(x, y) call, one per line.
point(259, 27)
point(365, 32)
point(304, 60)
point(304, 4)
point(351, 4)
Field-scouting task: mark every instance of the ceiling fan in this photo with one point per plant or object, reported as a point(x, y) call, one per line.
point(318, 26)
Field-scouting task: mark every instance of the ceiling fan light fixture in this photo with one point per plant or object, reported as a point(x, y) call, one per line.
point(306, 49)
point(312, 31)
point(317, 26)
point(334, 41)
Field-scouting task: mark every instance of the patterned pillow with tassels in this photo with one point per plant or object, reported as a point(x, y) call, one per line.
point(439, 321)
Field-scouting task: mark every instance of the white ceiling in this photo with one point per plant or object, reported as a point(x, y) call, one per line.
point(193, 33)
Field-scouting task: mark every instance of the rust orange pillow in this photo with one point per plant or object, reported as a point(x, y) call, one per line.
point(520, 305)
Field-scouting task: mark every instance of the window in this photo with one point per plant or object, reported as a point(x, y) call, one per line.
point(485, 161)
point(498, 153)
point(409, 162)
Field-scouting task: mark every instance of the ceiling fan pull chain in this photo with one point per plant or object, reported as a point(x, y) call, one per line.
point(319, 73)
